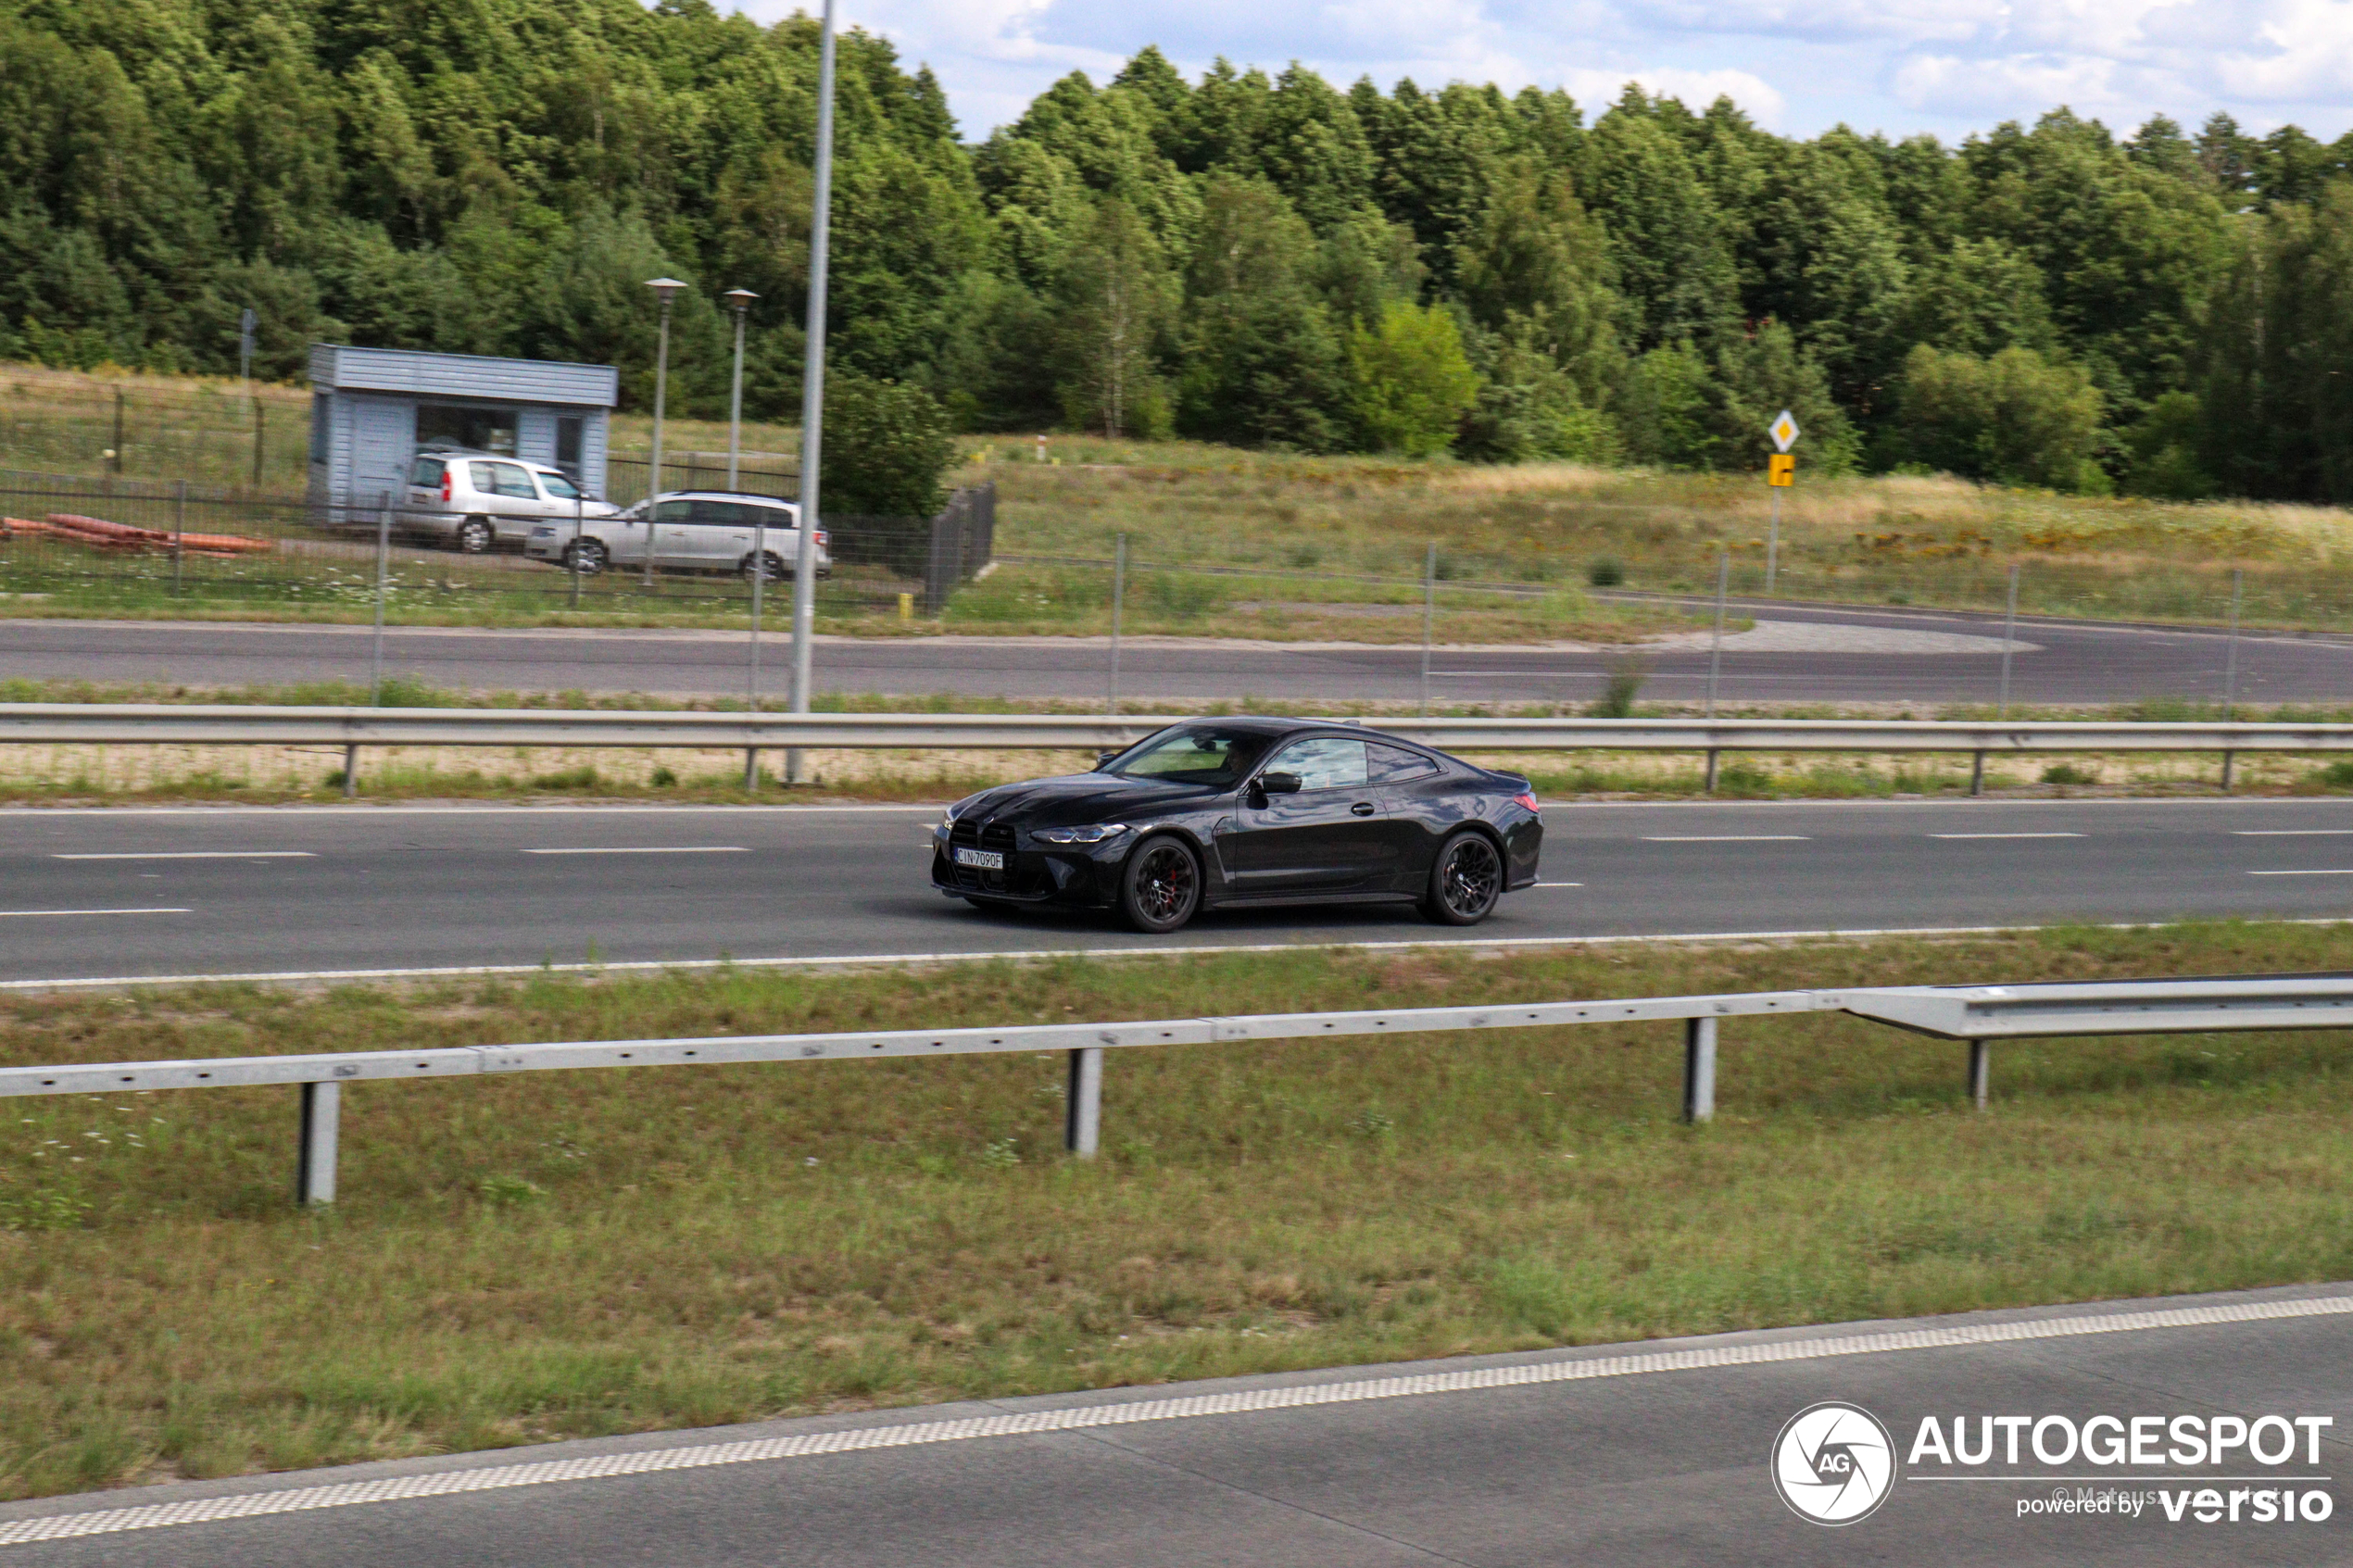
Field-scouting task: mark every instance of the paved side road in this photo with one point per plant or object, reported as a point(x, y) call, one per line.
point(1797, 653)
point(1645, 1454)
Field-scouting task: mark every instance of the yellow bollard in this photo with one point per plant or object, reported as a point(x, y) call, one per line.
point(906, 607)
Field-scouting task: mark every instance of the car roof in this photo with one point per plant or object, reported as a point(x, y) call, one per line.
point(1255, 724)
point(446, 452)
point(725, 495)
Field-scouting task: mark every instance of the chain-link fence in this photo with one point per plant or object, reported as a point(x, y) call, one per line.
point(122, 545)
point(225, 437)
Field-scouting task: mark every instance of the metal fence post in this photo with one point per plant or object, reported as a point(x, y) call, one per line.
point(384, 575)
point(315, 1164)
point(2231, 669)
point(579, 518)
point(1715, 648)
point(2009, 640)
point(350, 772)
point(1083, 1110)
point(179, 530)
point(1118, 602)
point(1699, 1070)
point(260, 408)
point(1430, 614)
point(1979, 1071)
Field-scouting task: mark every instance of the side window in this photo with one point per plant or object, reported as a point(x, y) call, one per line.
point(1325, 762)
point(557, 487)
point(770, 518)
point(673, 511)
point(426, 474)
point(1394, 764)
point(717, 514)
point(483, 477)
point(514, 480)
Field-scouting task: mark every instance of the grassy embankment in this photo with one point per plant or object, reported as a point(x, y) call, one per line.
point(539, 1256)
point(31, 774)
point(1307, 526)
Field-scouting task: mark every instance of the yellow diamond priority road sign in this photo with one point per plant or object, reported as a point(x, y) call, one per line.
point(1784, 430)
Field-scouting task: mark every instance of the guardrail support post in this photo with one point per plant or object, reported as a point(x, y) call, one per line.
point(1977, 772)
point(1710, 784)
point(1699, 1070)
point(1083, 1110)
point(350, 771)
point(1979, 1071)
point(315, 1165)
point(2228, 758)
point(752, 769)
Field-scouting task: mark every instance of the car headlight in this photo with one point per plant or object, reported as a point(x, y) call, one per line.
point(1094, 834)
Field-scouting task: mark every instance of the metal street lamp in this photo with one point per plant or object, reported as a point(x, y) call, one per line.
point(741, 300)
point(665, 290)
point(812, 395)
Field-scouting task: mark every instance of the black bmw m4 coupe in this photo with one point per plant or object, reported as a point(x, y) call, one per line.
point(1228, 812)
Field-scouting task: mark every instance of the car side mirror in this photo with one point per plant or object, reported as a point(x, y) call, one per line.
point(1278, 783)
point(1103, 759)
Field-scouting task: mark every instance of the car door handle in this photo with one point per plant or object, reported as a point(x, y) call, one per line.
point(1362, 809)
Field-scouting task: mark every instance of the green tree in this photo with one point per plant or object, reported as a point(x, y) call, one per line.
point(1664, 407)
point(1262, 363)
point(1538, 268)
point(1411, 381)
point(885, 449)
point(1665, 236)
point(2015, 418)
point(1113, 305)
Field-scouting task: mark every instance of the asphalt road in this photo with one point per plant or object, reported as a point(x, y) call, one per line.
point(131, 892)
point(1624, 1461)
point(1796, 654)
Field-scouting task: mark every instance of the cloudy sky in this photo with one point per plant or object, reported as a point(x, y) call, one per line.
point(1797, 66)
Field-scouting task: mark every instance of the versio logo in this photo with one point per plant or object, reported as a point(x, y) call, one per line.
point(1833, 1463)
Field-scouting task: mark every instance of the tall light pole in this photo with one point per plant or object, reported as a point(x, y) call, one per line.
point(741, 300)
point(665, 290)
point(812, 395)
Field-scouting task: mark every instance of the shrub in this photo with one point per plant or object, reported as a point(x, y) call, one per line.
point(885, 449)
point(1607, 572)
point(2066, 773)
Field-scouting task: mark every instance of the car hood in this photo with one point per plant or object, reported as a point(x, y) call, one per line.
point(1076, 800)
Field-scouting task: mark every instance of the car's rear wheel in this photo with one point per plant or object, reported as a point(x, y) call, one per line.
point(768, 564)
point(1465, 880)
point(475, 535)
point(1161, 887)
point(585, 556)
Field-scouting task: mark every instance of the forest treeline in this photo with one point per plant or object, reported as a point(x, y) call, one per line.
point(1261, 260)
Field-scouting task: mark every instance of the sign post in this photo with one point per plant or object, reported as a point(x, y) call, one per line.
point(1780, 473)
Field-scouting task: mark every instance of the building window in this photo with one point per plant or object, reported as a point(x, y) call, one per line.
point(473, 429)
point(571, 432)
point(320, 405)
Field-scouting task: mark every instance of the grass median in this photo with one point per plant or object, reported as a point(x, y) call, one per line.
point(542, 1256)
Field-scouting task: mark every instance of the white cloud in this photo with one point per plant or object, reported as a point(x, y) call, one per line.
point(1948, 65)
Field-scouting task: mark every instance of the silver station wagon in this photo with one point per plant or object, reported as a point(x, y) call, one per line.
point(688, 531)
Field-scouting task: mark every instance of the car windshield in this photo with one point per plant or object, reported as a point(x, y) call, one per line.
point(1202, 754)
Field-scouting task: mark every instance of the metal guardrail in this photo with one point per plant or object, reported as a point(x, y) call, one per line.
point(1976, 1014)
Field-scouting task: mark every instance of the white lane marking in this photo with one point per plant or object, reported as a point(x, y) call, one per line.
point(2338, 871)
point(1018, 955)
point(26, 914)
point(1572, 1367)
point(2290, 833)
point(1724, 837)
point(197, 855)
point(2009, 836)
point(1560, 885)
point(652, 849)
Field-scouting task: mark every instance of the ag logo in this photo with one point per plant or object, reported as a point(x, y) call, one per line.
point(1833, 1463)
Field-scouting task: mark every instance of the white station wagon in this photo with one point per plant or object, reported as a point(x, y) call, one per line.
point(473, 501)
point(688, 531)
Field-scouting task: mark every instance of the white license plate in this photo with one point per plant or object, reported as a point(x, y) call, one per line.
point(981, 860)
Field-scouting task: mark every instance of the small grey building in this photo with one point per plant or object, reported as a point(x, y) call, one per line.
point(373, 408)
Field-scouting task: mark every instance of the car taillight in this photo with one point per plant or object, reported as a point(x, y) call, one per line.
point(821, 538)
point(1528, 800)
point(444, 486)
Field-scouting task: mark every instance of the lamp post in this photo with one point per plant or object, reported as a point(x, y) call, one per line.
point(665, 290)
point(813, 393)
point(741, 300)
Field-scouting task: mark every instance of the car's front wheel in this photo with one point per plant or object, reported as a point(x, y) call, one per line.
point(1161, 887)
point(585, 556)
point(475, 536)
point(1465, 880)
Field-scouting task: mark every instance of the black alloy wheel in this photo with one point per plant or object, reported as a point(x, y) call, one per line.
point(1161, 887)
point(768, 565)
point(475, 536)
point(1465, 882)
point(585, 556)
